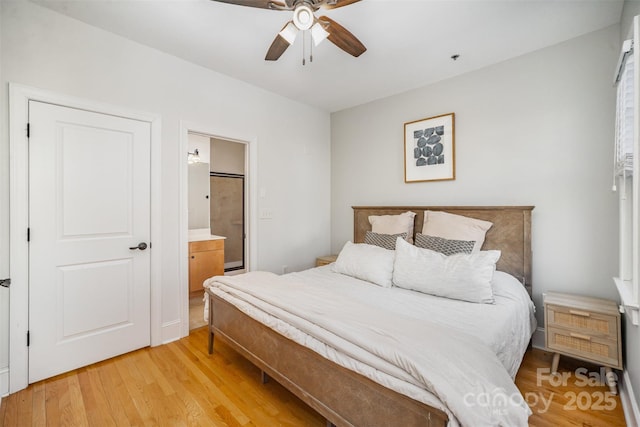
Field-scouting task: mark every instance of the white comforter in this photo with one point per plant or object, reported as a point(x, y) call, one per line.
point(425, 347)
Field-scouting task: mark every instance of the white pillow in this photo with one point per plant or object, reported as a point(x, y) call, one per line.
point(455, 227)
point(393, 224)
point(366, 262)
point(464, 277)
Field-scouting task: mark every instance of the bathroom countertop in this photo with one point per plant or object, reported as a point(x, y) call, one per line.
point(200, 234)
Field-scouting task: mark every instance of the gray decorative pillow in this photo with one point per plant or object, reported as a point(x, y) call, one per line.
point(444, 246)
point(387, 241)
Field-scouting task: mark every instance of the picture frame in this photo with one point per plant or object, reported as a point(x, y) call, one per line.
point(429, 149)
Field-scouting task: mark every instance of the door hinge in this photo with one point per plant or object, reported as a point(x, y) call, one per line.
point(5, 283)
point(28, 234)
point(28, 338)
point(28, 130)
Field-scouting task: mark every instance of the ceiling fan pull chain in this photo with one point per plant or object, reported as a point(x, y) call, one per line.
point(304, 39)
point(311, 49)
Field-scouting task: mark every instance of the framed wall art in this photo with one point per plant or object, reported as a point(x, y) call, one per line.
point(429, 149)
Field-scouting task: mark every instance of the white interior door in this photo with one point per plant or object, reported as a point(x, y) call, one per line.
point(89, 205)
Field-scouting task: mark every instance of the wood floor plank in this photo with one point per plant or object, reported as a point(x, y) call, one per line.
point(11, 410)
point(3, 411)
point(64, 400)
point(78, 408)
point(180, 384)
point(95, 399)
point(39, 416)
point(229, 399)
point(202, 372)
point(134, 383)
point(25, 406)
point(105, 397)
point(70, 401)
point(198, 401)
point(51, 401)
point(120, 401)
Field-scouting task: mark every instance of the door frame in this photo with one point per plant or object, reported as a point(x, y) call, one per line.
point(19, 97)
point(251, 198)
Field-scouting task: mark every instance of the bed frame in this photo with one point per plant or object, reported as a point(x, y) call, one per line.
point(510, 233)
point(343, 397)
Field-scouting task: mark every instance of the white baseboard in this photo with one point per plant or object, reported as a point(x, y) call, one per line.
point(537, 340)
point(629, 402)
point(171, 331)
point(4, 382)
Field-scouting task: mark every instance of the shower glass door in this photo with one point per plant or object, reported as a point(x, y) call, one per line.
point(227, 216)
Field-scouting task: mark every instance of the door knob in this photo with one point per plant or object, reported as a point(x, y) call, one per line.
point(142, 246)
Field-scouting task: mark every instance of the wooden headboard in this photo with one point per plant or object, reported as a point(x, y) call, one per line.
point(510, 233)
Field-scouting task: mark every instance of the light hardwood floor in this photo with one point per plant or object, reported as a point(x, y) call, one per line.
point(196, 310)
point(180, 384)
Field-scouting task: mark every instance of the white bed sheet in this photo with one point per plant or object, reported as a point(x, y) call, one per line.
point(505, 327)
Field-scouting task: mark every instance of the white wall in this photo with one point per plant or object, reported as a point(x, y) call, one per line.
point(227, 156)
point(534, 130)
point(43, 49)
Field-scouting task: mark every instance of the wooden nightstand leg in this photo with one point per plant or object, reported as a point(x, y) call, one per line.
point(554, 363)
point(611, 380)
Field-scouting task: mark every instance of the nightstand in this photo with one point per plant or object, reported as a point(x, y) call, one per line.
point(584, 328)
point(324, 260)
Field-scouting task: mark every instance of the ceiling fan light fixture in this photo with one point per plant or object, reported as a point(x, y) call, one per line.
point(289, 33)
point(318, 33)
point(303, 17)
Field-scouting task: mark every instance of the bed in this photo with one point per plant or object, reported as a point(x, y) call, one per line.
point(350, 386)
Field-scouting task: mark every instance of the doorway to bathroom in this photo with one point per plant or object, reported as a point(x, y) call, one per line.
point(218, 225)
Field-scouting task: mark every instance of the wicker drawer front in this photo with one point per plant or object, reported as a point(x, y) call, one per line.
point(601, 325)
point(596, 349)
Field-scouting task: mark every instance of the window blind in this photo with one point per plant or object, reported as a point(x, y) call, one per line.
point(624, 117)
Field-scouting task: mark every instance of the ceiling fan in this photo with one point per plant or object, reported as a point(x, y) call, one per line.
point(304, 19)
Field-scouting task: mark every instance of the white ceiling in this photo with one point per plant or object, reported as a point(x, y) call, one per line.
point(410, 42)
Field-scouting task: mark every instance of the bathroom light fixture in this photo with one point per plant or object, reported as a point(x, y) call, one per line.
point(193, 157)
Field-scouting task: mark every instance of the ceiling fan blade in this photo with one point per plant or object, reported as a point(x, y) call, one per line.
point(283, 40)
point(342, 38)
point(277, 48)
point(338, 3)
point(262, 4)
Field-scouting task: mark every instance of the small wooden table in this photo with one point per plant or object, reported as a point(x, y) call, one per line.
point(584, 328)
point(324, 260)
